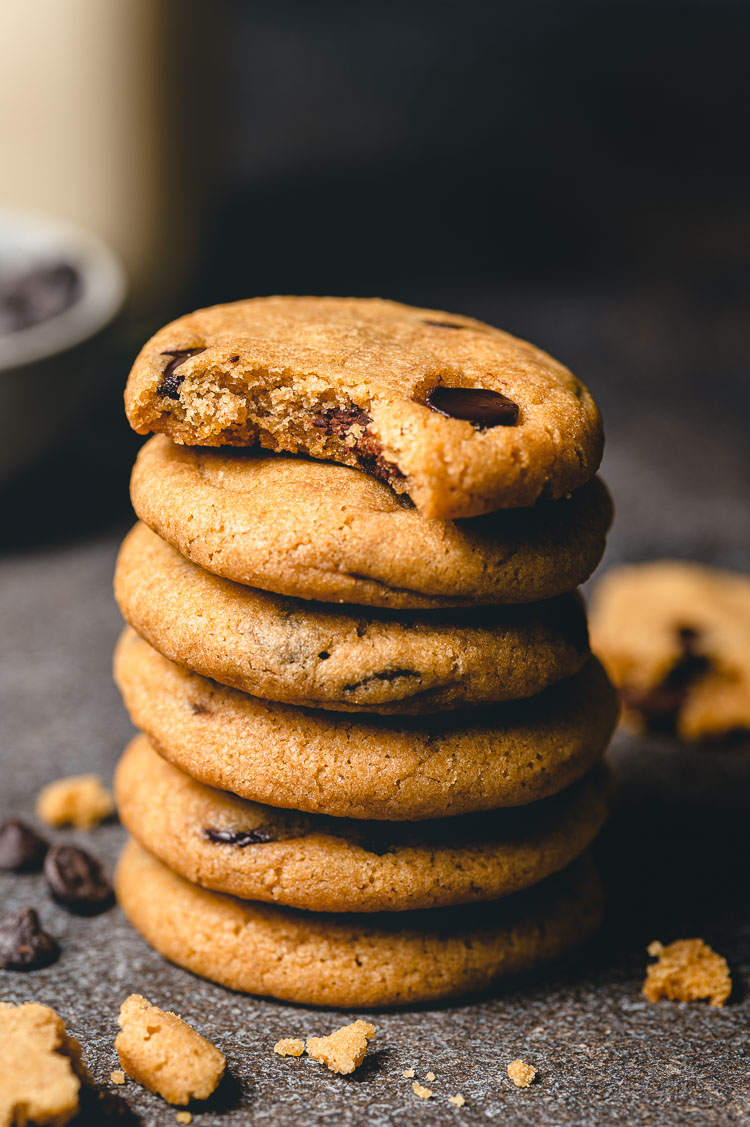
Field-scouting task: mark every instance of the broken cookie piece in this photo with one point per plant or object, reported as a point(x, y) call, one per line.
point(344, 1050)
point(289, 1047)
point(675, 639)
point(80, 800)
point(521, 1074)
point(686, 971)
point(164, 1054)
point(41, 1068)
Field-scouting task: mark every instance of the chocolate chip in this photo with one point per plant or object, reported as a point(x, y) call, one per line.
point(661, 705)
point(233, 359)
point(338, 421)
point(29, 298)
point(23, 943)
point(240, 837)
point(22, 849)
point(443, 325)
point(77, 880)
point(169, 387)
point(476, 405)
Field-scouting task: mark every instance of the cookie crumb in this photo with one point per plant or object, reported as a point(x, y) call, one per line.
point(289, 1047)
point(184, 1117)
point(344, 1050)
point(421, 1091)
point(430, 1076)
point(117, 1076)
point(521, 1074)
point(458, 1100)
point(408, 1074)
point(80, 800)
point(163, 1053)
point(686, 971)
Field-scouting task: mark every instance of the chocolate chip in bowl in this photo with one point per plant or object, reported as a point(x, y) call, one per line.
point(60, 287)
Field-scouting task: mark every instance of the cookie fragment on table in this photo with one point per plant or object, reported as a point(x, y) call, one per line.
point(675, 638)
point(687, 970)
point(163, 1053)
point(344, 1050)
point(289, 1047)
point(521, 1074)
point(80, 800)
point(41, 1067)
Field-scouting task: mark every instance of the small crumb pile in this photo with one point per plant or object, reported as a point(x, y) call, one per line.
point(521, 1074)
point(81, 801)
point(458, 1100)
point(117, 1077)
point(164, 1054)
point(686, 971)
point(408, 1074)
point(184, 1117)
point(421, 1091)
point(345, 1049)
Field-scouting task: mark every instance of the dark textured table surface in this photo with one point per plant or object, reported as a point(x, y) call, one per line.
point(674, 856)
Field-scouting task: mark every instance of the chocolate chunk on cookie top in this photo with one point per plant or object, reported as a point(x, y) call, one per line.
point(462, 417)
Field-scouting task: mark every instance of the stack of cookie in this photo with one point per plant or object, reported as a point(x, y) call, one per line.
point(372, 730)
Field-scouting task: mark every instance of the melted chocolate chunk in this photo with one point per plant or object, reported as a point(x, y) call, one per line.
point(240, 838)
point(24, 945)
point(367, 450)
point(22, 849)
point(169, 386)
point(340, 420)
point(476, 405)
point(661, 706)
point(77, 880)
point(383, 675)
point(443, 325)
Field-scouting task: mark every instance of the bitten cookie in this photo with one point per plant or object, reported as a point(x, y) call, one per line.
point(310, 654)
point(41, 1067)
point(324, 864)
point(366, 767)
point(317, 530)
point(462, 417)
point(675, 638)
point(350, 960)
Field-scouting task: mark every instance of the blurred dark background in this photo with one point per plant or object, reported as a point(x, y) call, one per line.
point(577, 173)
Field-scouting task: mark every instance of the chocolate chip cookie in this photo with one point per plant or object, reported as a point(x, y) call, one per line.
point(317, 530)
point(324, 864)
point(311, 654)
point(675, 637)
point(364, 766)
point(352, 960)
point(462, 417)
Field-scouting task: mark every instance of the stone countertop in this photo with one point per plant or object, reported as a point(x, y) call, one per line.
point(674, 856)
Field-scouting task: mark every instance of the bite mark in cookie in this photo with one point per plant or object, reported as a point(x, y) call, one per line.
point(169, 387)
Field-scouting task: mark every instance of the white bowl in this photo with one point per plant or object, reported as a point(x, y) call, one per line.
point(46, 368)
